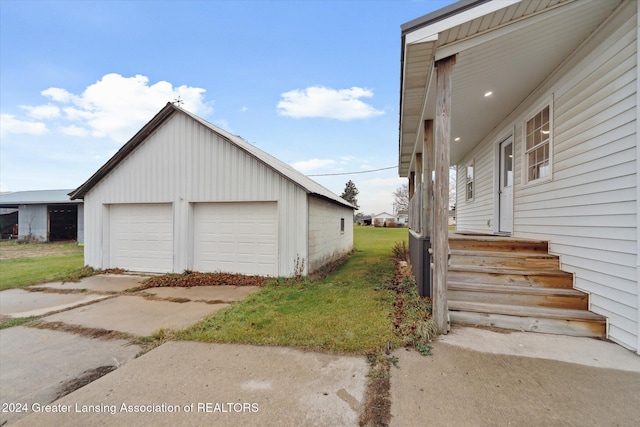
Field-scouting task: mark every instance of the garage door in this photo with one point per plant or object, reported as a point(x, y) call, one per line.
point(236, 237)
point(141, 237)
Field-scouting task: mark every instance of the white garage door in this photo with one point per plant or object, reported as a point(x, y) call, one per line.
point(236, 237)
point(141, 237)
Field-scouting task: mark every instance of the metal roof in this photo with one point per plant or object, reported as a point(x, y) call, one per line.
point(37, 197)
point(306, 183)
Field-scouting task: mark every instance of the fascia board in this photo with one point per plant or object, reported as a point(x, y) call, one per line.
point(430, 32)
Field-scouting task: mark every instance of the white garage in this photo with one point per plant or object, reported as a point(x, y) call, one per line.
point(183, 194)
point(239, 237)
point(141, 237)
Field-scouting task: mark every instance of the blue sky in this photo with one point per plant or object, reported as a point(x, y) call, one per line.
point(314, 83)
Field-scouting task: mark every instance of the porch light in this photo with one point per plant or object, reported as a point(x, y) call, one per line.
point(456, 139)
point(487, 94)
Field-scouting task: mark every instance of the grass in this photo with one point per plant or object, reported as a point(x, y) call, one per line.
point(349, 311)
point(17, 321)
point(27, 271)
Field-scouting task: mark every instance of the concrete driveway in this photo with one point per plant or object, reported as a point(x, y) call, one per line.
point(39, 365)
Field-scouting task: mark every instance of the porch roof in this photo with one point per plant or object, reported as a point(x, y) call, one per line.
point(506, 47)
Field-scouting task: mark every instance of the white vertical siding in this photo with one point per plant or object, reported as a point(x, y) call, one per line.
point(589, 209)
point(326, 241)
point(477, 214)
point(33, 222)
point(183, 162)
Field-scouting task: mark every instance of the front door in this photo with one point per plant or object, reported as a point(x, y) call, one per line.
point(505, 189)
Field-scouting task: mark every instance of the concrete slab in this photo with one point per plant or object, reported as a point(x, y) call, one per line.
point(36, 362)
point(580, 350)
point(226, 294)
point(223, 385)
point(21, 303)
point(136, 315)
point(107, 283)
point(466, 387)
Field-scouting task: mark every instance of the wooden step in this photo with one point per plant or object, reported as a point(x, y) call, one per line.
point(498, 259)
point(512, 276)
point(497, 243)
point(531, 319)
point(518, 295)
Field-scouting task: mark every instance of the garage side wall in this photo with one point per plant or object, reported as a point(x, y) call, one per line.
point(184, 163)
point(330, 232)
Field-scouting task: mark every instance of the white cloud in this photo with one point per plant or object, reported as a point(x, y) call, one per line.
point(9, 124)
point(57, 94)
point(306, 166)
point(116, 107)
point(319, 101)
point(74, 130)
point(42, 112)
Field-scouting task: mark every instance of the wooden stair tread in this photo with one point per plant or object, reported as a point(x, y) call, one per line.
point(505, 270)
point(516, 289)
point(469, 236)
point(525, 311)
point(505, 254)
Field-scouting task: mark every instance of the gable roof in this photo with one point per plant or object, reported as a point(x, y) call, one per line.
point(298, 178)
point(36, 197)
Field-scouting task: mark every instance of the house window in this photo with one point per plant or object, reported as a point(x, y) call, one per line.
point(470, 182)
point(342, 225)
point(538, 146)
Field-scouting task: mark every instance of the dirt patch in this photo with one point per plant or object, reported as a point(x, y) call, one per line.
point(377, 401)
point(82, 380)
point(193, 278)
point(15, 250)
point(103, 334)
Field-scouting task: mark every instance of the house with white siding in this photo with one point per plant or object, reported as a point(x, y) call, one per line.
point(535, 103)
point(183, 194)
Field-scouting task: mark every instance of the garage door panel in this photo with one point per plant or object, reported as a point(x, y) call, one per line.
point(236, 237)
point(141, 237)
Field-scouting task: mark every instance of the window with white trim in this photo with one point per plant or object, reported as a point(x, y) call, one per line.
point(538, 146)
point(470, 182)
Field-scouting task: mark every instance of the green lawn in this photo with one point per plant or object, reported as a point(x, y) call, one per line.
point(26, 271)
point(347, 312)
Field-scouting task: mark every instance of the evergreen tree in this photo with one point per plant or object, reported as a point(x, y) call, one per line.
point(349, 194)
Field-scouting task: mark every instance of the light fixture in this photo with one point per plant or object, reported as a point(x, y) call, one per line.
point(456, 139)
point(487, 94)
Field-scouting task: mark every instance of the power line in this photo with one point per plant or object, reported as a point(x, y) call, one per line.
point(353, 173)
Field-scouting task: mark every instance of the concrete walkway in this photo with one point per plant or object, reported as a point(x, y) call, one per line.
point(36, 365)
point(475, 377)
point(482, 378)
point(197, 384)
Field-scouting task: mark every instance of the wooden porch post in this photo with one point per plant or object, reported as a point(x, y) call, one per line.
point(427, 186)
point(440, 240)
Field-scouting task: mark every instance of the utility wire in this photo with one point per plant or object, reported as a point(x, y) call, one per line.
point(353, 173)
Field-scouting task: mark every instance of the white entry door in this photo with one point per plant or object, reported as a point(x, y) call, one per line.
point(505, 190)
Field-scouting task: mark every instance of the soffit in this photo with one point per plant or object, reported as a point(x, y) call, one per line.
point(509, 52)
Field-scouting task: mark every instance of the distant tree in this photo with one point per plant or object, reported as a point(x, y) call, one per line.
point(401, 198)
point(350, 194)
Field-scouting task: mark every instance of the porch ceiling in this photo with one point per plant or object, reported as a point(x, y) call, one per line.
point(508, 52)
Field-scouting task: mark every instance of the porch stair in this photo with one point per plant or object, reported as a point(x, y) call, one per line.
point(516, 284)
